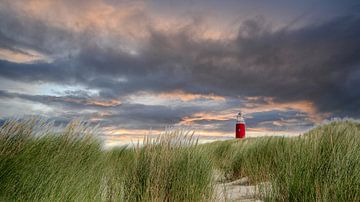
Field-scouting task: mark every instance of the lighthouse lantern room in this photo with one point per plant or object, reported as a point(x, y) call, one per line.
point(240, 126)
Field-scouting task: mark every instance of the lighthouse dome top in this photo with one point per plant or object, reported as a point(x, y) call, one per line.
point(240, 117)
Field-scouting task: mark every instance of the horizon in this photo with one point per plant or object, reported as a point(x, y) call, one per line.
point(136, 66)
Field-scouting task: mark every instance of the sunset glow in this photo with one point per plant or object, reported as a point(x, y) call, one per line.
point(137, 67)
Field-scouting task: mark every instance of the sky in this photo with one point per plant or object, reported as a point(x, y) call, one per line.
point(137, 67)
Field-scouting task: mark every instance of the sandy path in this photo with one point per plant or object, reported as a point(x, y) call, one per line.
point(238, 190)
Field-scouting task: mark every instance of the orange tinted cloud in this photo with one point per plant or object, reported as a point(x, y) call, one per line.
point(208, 116)
point(93, 102)
point(167, 98)
point(304, 106)
point(129, 19)
point(269, 105)
point(104, 103)
point(183, 96)
point(80, 15)
point(21, 56)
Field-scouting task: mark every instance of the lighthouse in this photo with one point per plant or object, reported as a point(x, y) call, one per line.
point(240, 126)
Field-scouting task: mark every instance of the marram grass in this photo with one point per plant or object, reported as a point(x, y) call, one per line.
point(321, 165)
point(39, 162)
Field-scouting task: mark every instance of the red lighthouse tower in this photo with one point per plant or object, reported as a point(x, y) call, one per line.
point(240, 126)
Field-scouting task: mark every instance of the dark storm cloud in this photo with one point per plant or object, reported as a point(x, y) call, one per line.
point(69, 102)
point(46, 72)
point(126, 115)
point(318, 62)
point(18, 31)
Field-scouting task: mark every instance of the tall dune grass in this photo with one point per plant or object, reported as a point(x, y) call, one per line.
point(39, 163)
point(169, 168)
point(321, 165)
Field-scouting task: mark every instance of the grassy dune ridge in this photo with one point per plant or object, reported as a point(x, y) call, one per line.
point(71, 166)
point(321, 165)
point(39, 163)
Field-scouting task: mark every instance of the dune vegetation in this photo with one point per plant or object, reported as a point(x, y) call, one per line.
point(320, 165)
point(39, 162)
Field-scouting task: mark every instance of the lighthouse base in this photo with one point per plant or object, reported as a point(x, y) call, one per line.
point(240, 130)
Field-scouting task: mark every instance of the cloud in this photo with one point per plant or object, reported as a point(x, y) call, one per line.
point(69, 101)
point(21, 56)
point(107, 112)
point(311, 69)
